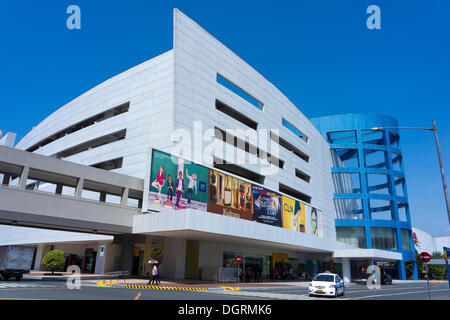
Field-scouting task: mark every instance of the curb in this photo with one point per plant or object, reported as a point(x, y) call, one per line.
point(137, 286)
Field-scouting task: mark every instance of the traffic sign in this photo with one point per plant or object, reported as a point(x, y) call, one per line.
point(425, 257)
point(238, 259)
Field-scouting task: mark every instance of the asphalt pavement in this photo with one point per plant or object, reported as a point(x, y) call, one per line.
point(57, 290)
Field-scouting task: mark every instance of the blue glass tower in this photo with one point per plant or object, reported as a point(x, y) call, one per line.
point(370, 193)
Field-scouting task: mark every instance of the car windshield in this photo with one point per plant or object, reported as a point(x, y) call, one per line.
point(324, 277)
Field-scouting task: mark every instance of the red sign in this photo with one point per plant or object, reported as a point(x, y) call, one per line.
point(425, 257)
point(238, 259)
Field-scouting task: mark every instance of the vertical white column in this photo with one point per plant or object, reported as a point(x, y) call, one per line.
point(174, 258)
point(40, 251)
point(346, 271)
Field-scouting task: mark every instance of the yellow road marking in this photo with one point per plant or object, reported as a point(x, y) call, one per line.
point(230, 288)
point(133, 286)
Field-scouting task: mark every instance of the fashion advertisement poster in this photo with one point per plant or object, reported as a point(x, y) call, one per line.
point(229, 196)
point(315, 221)
point(293, 215)
point(266, 206)
point(176, 183)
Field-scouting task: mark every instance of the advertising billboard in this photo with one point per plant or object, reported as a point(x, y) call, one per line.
point(229, 196)
point(176, 183)
point(293, 215)
point(316, 223)
point(266, 206)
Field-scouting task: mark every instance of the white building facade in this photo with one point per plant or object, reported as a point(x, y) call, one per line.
point(198, 87)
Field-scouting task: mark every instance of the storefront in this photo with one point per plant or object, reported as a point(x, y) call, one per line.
point(275, 267)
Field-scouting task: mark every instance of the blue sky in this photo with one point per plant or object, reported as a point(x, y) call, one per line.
point(319, 53)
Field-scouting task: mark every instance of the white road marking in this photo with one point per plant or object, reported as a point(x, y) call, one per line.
point(383, 289)
point(395, 294)
point(24, 285)
point(284, 296)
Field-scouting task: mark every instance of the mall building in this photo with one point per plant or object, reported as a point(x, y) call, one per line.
point(291, 196)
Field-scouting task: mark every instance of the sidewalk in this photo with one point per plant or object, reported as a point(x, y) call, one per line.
point(94, 278)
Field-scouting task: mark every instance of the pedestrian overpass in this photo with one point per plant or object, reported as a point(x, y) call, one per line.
point(44, 192)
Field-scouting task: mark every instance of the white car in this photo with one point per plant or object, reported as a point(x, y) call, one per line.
point(327, 284)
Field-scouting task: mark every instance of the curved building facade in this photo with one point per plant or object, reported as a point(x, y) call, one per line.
point(370, 195)
point(204, 95)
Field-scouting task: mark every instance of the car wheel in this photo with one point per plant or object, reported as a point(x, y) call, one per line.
point(336, 293)
point(343, 292)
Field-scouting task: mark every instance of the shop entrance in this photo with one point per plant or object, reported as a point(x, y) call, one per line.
point(253, 268)
point(90, 257)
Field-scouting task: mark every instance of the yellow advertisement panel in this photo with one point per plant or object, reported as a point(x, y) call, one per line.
point(293, 215)
point(279, 258)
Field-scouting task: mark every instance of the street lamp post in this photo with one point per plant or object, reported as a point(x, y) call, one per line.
point(444, 183)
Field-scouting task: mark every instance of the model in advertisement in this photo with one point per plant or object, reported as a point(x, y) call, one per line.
point(314, 222)
point(170, 190)
point(192, 184)
point(158, 184)
point(180, 188)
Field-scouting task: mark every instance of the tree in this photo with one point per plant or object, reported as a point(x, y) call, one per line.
point(437, 271)
point(54, 259)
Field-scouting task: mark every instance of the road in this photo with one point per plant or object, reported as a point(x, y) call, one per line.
point(57, 290)
point(407, 291)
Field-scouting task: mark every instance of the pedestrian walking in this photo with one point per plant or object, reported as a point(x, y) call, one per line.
point(156, 268)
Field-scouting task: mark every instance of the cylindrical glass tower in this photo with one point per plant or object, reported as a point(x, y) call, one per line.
point(370, 196)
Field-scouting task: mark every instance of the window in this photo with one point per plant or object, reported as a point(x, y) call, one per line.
point(237, 90)
point(406, 240)
point(285, 144)
point(375, 159)
point(378, 184)
point(294, 130)
point(355, 236)
point(229, 111)
point(237, 170)
point(399, 186)
point(346, 182)
point(396, 162)
point(300, 174)
point(83, 124)
point(348, 208)
point(394, 139)
point(238, 142)
point(95, 143)
point(345, 158)
point(383, 238)
point(294, 193)
point(402, 211)
point(341, 137)
point(371, 137)
point(109, 164)
point(380, 209)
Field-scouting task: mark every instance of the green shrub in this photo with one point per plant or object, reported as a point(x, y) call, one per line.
point(54, 259)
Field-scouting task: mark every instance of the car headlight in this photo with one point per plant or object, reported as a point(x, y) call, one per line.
point(331, 286)
point(311, 285)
